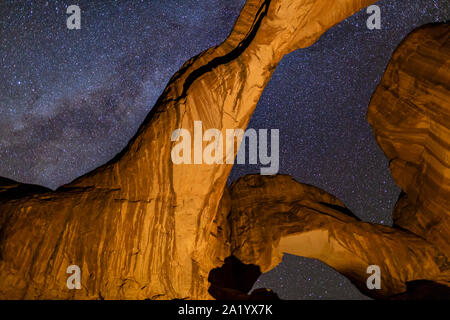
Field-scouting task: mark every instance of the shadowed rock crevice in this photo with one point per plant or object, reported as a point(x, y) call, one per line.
point(424, 290)
point(344, 210)
point(234, 279)
point(230, 56)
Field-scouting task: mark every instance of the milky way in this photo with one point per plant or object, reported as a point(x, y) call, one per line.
point(71, 99)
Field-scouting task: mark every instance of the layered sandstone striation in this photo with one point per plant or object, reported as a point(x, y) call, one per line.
point(273, 215)
point(139, 226)
point(410, 115)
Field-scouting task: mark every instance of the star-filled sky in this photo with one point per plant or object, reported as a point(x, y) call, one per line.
point(71, 99)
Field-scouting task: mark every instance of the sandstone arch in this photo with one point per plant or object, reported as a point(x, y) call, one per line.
point(140, 227)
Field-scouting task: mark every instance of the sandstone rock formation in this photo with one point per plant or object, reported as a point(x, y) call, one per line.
point(140, 226)
point(272, 215)
point(410, 114)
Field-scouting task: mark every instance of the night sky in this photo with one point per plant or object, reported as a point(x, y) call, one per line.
point(71, 99)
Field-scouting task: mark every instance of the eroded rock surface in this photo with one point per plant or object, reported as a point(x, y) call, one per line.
point(140, 226)
point(272, 215)
point(410, 115)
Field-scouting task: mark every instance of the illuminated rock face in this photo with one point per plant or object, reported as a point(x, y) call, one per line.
point(140, 226)
point(272, 215)
point(410, 115)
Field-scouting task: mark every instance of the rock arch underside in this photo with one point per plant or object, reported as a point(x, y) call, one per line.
point(141, 227)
